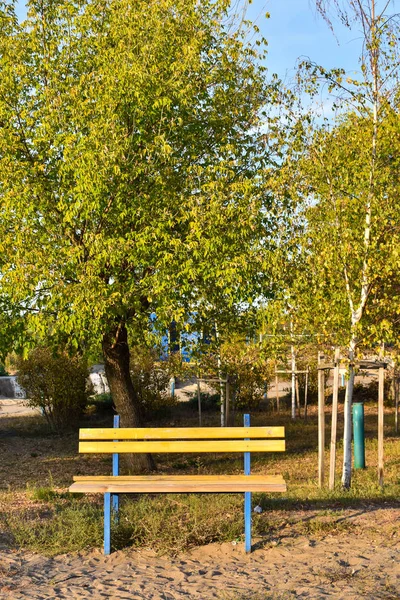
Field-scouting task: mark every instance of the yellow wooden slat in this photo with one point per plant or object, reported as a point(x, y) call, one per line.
point(182, 433)
point(175, 489)
point(190, 446)
point(245, 484)
point(197, 478)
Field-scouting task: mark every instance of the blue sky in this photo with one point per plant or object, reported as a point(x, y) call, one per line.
point(295, 30)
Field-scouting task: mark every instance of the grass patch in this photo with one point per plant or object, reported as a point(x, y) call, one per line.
point(42, 494)
point(193, 520)
point(320, 527)
point(56, 529)
point(168, 524)
point(66, 524)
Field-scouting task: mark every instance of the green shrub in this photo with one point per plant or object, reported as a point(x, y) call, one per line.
point(208, 401)
point(56, 385)
point(246, 365)
point(102, 402)
point(3, 371)
point(369, 392)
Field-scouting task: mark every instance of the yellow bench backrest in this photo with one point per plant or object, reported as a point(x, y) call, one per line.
point(182, 439)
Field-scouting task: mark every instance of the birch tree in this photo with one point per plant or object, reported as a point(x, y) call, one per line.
point(350, 178)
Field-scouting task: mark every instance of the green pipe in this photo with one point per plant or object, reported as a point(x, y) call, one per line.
point(358, 435)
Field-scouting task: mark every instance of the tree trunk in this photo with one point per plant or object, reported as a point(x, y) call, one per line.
point(116, 361)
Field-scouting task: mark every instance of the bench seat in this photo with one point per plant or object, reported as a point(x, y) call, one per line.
point(178, 483)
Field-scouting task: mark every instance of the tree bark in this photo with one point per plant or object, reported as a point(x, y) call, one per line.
point(116, 362)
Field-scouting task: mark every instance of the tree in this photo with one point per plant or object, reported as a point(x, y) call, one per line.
point(347, 185)
point(130, 168)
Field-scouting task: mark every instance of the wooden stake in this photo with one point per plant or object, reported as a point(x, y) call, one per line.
point(222, 400)
point(305, 396)
point(297, 396)
point(277, 392)
point(221, 383)
point(396, 406)
point(393, 386)
point(227, 394)
point(321, 423)
point(233, 404)
point(293, 354)
point(335, 400)
point(381, 387)
point(199, 400)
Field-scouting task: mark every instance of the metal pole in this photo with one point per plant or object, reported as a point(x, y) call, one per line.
point(359, 435)
point(107, 523)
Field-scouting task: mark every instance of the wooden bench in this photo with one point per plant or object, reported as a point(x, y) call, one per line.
point(179, 440)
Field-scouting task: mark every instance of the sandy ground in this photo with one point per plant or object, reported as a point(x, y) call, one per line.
point(363, 563)
point(16, 408)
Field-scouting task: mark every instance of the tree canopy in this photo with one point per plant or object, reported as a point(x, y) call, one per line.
point(131, 174)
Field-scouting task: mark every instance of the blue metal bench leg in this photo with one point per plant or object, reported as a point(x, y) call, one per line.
point(107, 523)
point(247, 495)
point(247, 521)
point(115, 472)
